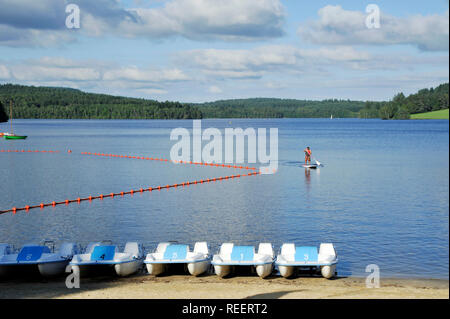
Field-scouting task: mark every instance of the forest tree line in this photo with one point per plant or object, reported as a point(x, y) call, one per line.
point(280, 108)
point(401, 107)
point(65, 103)
point(62, 103)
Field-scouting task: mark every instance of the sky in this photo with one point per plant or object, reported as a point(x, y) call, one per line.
point(206, 50)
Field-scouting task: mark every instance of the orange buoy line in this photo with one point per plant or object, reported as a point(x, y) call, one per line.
point(26, 151)
point(170, 161)
point(14, 210)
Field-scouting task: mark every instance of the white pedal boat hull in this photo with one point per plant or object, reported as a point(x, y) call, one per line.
point(231, 256)
point(123, 269)
point(196, 262)
point(35, 258)
point(98, 257)
point(263, 270)
point(49, 269)
point(194, 268)
point(292, 258)
point(327, 272)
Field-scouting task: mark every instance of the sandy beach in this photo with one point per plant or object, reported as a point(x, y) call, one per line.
point(210, 286)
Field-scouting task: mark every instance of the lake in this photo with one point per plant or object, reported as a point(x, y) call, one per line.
point(382, 196)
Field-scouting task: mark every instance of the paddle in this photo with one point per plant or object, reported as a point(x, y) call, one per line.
point(317, 162)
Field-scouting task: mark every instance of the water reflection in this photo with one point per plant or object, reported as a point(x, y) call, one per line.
point(308, 179)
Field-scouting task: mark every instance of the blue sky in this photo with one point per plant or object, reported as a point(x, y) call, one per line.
point(204, 50)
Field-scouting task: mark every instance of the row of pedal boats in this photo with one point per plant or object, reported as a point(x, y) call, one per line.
point(53, 262)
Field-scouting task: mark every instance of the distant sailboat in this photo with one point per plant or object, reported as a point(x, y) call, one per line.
point(331, 117)
point(11, 135)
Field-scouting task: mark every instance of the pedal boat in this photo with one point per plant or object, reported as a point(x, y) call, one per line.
point(297, 257)
point(34, 257)
point(166, 254)
point(104, 254)
point(231, 256)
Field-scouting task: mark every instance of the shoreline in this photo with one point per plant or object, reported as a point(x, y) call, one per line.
point(213, 287)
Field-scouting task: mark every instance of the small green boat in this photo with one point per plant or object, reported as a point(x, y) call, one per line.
point(14, 137)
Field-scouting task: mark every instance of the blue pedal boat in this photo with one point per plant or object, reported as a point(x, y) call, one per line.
point(166, 254)
point(231, 256)
point(307, 257)
point(105, 254)
point(33, 257)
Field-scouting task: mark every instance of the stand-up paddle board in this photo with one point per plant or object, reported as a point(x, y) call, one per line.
point(312, 166)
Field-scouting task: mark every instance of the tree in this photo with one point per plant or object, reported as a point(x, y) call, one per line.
point(402, 114)
point(388, 111)
point(3, 115)
point(399, 99)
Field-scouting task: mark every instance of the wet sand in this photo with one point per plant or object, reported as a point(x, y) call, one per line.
point(210, 286)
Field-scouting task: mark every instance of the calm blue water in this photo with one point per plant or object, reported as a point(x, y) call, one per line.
point(382, 197)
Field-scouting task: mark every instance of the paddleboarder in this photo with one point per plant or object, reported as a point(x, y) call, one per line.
point(307, 155)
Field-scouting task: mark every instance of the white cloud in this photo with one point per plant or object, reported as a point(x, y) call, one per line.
point(92, 75)
point(214, 89)
point(17, 37)
point(29, 23)
point(275, 85)
point(55, 69)
point(136, 74)
point(254, 63)
point(4, 72)
point(32, 23)
point(152, 91)
point(338, 26)
point(207, 19)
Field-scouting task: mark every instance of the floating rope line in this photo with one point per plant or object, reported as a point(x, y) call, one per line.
point(27, 151)
point(166, 160)
point(27, 208)
point(14, 210)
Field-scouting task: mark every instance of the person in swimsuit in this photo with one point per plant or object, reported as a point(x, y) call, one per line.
point(307, 155)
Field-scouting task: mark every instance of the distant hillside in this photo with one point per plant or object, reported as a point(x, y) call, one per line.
point(63, 103)
point(66, 103)
point(3, 116)
point(401, 107)
point(279, 108)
